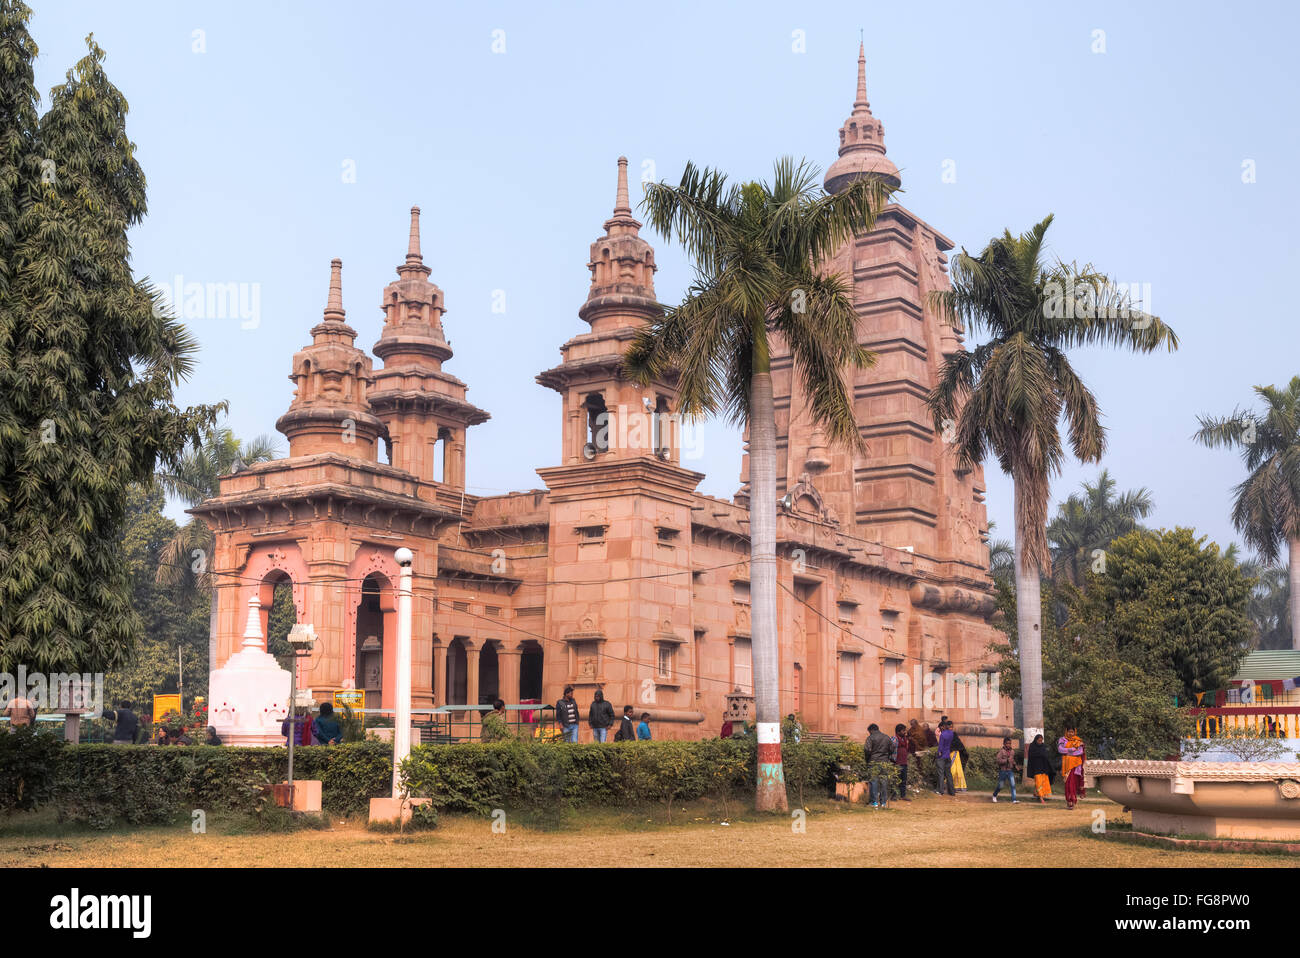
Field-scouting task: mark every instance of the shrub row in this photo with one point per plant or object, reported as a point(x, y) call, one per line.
point(110, 784)
point(514, 774)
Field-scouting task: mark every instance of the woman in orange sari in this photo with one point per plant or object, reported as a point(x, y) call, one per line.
point(1072, 755)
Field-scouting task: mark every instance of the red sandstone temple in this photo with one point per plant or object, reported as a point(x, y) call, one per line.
point(619, 575)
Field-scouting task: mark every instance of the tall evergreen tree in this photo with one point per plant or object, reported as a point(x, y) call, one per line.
point(1088, 522)
point(88, 365)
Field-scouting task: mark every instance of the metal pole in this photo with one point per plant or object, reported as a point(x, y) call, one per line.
point(293, 718)
point(402, 724)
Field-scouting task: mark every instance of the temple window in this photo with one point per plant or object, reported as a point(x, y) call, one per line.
point(848, 678)
point(742, 666)
point(597, 422)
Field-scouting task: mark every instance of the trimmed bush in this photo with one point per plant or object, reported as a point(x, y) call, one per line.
point(115, 784)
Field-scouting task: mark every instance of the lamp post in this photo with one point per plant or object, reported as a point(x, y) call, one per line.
point(402, 723)
point(302, 639)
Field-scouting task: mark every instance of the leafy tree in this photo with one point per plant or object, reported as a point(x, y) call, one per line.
point(758, 250)
point(87, 367)
point(1120, 707)
point(1266, 506)
point(1088, 522)
point(195, 478)
point(1175, 606)
point(1008, 395)
point(173, 620)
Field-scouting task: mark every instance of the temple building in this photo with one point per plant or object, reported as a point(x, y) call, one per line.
point(619, 575)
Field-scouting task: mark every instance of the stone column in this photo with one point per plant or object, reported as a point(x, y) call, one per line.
point(508, 674)
point(439, 674)
point(471, 680)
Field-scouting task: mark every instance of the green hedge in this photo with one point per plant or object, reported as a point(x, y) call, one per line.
point(480, 777)
point(111, 784)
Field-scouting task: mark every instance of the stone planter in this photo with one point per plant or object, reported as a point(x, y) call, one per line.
point(1259, 800)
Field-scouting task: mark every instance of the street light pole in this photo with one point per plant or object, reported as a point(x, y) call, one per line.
point(302, 638)
point(402, 729)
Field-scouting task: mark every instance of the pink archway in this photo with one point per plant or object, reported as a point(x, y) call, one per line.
point(378, 564)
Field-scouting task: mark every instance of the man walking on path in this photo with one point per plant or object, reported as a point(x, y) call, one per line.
point(566, 714)
point(600, 717)
point(1007, 769)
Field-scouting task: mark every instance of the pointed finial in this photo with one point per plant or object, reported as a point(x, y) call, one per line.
point(413, 247)
point(334, 306)
point(253, 628)
point(862, 77)
point(621, 203)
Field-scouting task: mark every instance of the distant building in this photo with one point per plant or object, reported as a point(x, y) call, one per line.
point(619, 574)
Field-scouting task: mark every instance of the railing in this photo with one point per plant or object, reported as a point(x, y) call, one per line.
point(1275, 722)
point(449, 724)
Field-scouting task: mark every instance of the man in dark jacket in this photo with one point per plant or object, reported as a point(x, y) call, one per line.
point(566, 714)
point(878, 750)
point(126, 723)
point(626, 727)
point(600, 717)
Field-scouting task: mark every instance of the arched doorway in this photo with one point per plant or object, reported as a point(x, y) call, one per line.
point(376, 622)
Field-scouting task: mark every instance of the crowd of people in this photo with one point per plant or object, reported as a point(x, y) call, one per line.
point(951, 759)
point(600, 719)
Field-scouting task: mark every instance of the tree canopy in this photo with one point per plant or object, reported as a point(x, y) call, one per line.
point(87, 365)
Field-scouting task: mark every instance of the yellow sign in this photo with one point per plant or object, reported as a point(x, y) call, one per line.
point(350, 698)
point(162, 704)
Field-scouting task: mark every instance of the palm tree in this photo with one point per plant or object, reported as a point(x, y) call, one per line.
point(758, 250)
point(1266, 507)
point(1092, 521)
point(1002, 558)
point(1007, 396)
point(195, 478)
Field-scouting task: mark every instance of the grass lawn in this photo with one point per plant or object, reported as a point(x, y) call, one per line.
point(928, 831)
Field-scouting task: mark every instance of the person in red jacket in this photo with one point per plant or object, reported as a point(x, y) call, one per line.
point(901, 743)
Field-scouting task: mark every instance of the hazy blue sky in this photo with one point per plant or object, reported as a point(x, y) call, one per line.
point(1138, 151)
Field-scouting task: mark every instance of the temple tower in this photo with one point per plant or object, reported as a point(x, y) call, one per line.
point(330, 411)
point(907, 491)
point(619, 580)
point(422, 407)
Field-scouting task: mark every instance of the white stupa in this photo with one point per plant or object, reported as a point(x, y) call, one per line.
point(248, 697)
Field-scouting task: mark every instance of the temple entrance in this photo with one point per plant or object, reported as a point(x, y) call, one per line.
point(530, 672)
point(373, 615)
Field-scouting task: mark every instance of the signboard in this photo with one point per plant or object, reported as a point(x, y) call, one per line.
point(162, 704)
point(354, 699)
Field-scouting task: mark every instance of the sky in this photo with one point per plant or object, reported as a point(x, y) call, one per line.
point(1163, 137)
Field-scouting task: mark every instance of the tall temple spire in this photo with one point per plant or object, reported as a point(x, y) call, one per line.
point(622, 265)
point(862, 141)
point(861, 101)
point(622, 223)
point(414, 263)
point(334, 311)
point(329, 411)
